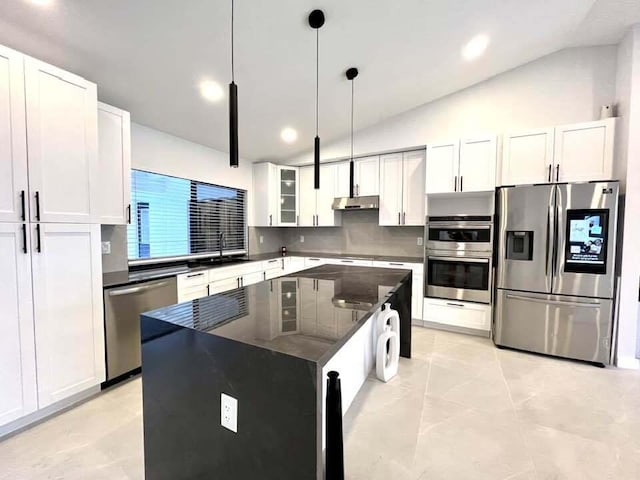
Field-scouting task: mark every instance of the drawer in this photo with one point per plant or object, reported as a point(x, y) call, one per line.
point(417, 268)
point(191, 293)
point(234, 270)
point(349, 261)
point(193, 279)
point(294, 264)
point(314, 262)
point(273, 273)
point(273, 264)
point(458, 314)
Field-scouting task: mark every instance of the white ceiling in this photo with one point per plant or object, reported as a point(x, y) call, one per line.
point(148, 56)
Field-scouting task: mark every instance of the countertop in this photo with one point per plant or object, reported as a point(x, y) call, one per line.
point(124, 277)
point(274, 314)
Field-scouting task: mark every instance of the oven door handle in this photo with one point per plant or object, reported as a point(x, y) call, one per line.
point(460, 226)
point(459, 259)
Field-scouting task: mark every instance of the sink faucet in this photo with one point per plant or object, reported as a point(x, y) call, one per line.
point(221, 243)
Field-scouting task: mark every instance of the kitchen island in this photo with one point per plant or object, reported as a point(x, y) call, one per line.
point(269, 346)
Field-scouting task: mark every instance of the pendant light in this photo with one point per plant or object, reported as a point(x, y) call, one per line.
point(351, 74)
point(233, 108)
point(316, 20)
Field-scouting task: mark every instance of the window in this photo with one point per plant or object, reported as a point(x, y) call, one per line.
point(178, 217)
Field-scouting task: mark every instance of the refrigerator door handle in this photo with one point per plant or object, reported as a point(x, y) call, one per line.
point(554, 302)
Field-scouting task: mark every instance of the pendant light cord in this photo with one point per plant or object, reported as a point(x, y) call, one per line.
point(352, 119)
point(233, 78)
point(317, 78)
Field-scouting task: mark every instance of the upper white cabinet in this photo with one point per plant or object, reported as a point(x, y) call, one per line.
point(442, 167)
point(67, 295)
point(288, 196)
point(18, 394)
point(276, 195)
point(584, 151)
point(402, 188)
point(467, 165)
point(113, 191)
point(13, 138)
point(527, 157)
point(316, 205)
point(366, 177)
point(62, 143)
point(569, 153)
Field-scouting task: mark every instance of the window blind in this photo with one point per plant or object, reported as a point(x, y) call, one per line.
point(173, 217)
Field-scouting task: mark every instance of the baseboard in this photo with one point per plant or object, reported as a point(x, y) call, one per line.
point(40, 416)
point(628, 363)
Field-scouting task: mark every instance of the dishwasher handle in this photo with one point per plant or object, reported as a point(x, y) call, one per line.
point(134, 290)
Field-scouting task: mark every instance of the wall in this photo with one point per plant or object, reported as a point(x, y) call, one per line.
point(159, 152)
point(565, 87)
point(628, 96)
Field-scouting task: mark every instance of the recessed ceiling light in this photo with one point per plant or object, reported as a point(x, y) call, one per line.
point(288, 135)
point(476, 47)
point(42, 3)
point(211, 90)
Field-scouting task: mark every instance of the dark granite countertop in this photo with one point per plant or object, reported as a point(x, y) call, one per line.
point(309, 314)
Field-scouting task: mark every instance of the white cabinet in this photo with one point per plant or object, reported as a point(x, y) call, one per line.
point(220, 285)
point(366, 177)
point(474, 316)
point(579, 152)
point(311, 262)
point(113, 190)
point(442, 167)
point(62, 143)
point(67, 294)
point(402, 188)
point(192, 285)
point(265, 195)
point(478, 157)
point(584, 151)
point(18, 394)
point(252, 278)
point(316, 205)
point(417, 283)
point(191, 293)
point(348, 261)
point(13, 138)
point(527, 157)
point(288, 196)
point(467, 165)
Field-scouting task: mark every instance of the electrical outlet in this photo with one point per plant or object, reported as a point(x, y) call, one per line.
point(229, 412)
point(301, 238)
point(419, 241)
point(106, 248)
point(261, 239)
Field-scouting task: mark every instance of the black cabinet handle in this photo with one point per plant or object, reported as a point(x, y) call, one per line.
point(195, 275)
point(38, 244)
point(24, 239)
point(270, 220)
point(461, 177)
point(455, 183)
point(549, 173)
point(38, 206)
point(557, 172)
point(24, 207)
point(399, 218)
point(129, 214)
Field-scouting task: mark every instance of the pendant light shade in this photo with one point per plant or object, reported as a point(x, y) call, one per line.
point(316, 20)
point(351, 74)
point(233, 108)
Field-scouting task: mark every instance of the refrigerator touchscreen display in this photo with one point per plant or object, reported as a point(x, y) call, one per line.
point(586, 248)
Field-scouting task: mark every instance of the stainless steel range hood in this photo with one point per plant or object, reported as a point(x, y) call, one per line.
point(356, 203)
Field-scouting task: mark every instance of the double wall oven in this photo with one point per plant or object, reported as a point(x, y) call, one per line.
point(458, 260)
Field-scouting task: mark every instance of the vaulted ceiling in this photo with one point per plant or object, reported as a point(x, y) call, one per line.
point(149, 56)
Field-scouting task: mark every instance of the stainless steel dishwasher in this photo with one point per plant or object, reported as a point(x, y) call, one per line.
point(122, 309)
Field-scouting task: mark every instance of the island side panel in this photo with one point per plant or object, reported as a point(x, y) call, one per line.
point(401, 302)
point(183, 374)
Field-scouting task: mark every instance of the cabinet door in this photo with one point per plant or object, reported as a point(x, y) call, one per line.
point(308, 197)
point(18, 394)
point(308, 305)
point(288, 208)
point(413, 200)
point(112, 193)
point(326, 320)
point(391, 189)
point(478, 158)
point(265, 195)
point(442, 167)
point(252, 278)
point(13, 137)
point(345, 320)
point(67, 295)
point(527, 157)
point(223, 285)
point(584, 151)
point(367, 176)
point(62, 142)
point(326, 216)
point(342, 179)
point(191, 293)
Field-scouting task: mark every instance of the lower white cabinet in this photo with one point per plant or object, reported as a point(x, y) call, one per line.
point(475, 316)
point(252, 278)
point(311, 262)
point(18, 390)
point(223, 284)
point(348, 261)
point(67, 294)
point(191, 293)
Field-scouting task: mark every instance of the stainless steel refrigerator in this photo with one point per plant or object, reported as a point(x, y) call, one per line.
point(556, 261)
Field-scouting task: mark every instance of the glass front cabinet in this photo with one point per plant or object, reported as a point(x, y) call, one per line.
point(288, 196)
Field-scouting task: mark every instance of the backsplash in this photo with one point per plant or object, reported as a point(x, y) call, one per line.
point(117, 260)
point(359, 234)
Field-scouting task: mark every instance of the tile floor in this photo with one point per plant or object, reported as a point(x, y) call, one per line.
point(460, 409)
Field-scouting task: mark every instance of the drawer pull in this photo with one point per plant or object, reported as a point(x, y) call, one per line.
point(397, 264)
point(195, 275)
point(455, 304)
